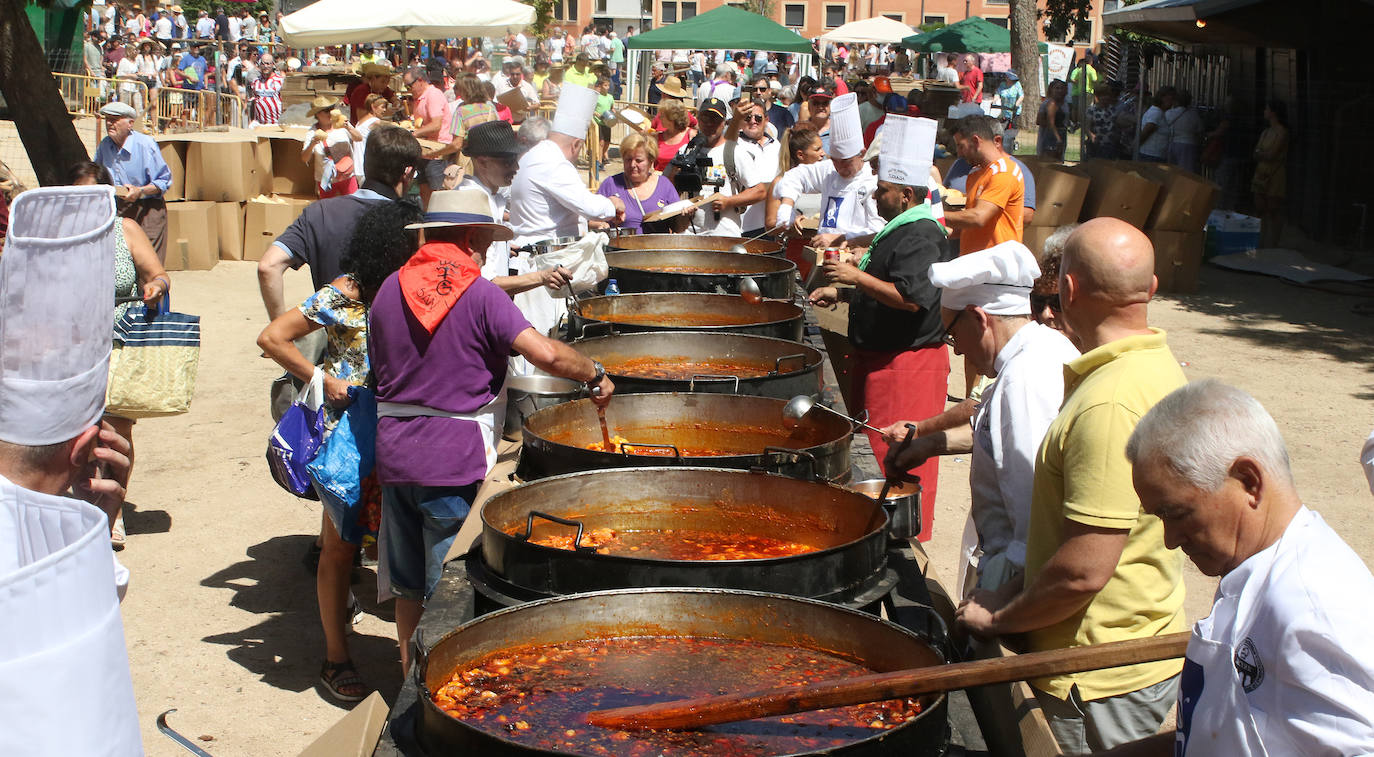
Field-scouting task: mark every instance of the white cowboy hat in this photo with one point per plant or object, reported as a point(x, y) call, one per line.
point(462, 207)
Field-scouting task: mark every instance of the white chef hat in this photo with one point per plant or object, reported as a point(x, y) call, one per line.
point(56, 282)
point(846, 130)
point(997, 279)
point(575, 106)
point(907, 151)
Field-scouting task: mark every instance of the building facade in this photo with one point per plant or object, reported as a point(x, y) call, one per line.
point(809, 18)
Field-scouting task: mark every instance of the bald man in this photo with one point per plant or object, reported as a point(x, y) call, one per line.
point(1097, 568)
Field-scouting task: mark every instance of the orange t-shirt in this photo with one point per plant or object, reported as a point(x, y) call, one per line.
point(1000, 183)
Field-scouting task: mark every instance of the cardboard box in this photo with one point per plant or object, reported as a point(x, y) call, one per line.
point(192, 241)
point(229, 226)
point(265, 219)
point(223, 171)
point(289, 174)
point(1034, 238)
point(1178, 259)
point(356, 734)
point(1117, 193)
point(1184, 202)
point(1059, 195)
point(262, 165)
point(174, 153)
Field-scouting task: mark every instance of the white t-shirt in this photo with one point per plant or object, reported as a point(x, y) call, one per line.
point(948, 75)
point(1158, 142)
point(719, 88)
point(133, 27)
point(591, 46)
point(235, 28)
point(1297, 617)
point(704, 221)
point(699, 62)
point(1186, 125)
point(162, 28)
point(755, 164)
point(522, 45)
point(556, 47)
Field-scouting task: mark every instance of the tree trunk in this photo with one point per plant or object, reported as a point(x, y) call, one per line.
point(1025, 58)
point(34, 101)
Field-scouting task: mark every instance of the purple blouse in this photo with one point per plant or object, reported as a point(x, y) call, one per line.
point(664, 195)
point(457, 369)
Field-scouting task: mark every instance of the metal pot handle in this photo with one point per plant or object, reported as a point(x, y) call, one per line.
point(677, 453)
point(777, 364)
point(692, 384)
point(800, 454)
point(577, 541)
point(586, 327)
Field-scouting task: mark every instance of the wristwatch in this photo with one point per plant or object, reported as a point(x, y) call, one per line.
point(594, 385)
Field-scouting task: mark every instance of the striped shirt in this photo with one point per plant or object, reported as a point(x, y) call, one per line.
point(1000, 183)
point(267, 98)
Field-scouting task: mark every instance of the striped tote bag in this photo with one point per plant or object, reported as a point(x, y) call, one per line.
point(153, 363)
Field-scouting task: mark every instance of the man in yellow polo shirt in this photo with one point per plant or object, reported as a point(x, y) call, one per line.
point(1097, 569)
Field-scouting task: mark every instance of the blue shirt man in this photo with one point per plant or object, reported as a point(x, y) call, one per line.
point(196, 62)
point(135, 163)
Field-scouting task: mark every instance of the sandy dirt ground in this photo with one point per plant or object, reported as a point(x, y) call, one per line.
point(221, 618)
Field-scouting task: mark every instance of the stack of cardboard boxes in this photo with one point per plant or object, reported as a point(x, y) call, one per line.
point(232, 193)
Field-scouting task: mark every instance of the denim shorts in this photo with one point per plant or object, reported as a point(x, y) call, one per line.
point(419, 524)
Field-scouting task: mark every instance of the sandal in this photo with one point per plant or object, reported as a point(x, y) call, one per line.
point(117, 533)
point(342, 681)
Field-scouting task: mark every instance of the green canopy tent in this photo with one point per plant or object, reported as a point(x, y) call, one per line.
point(725, 28)
point(972, 35)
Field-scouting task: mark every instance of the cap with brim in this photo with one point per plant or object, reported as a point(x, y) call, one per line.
point(376, 69)
point(468, 208)
point(1010, 75)
point(321, 103)
point(882, 84)
point(176, 8)
point(495, 138)
point(821, 93)
point(714, 105)
point(119, 110)
point(672, 86)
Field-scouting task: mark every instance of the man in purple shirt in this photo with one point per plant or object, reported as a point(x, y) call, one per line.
point(440, 336)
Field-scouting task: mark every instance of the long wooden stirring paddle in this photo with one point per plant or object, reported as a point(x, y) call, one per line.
point(840, 692)
point(605, 432)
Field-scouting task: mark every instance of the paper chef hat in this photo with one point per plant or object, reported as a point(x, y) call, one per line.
point(56, 324)
point(574, 114)
point(997, 279)
point(846, 131)
point(907, 151)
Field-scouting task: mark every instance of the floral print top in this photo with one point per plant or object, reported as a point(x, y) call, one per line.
point(345, 326)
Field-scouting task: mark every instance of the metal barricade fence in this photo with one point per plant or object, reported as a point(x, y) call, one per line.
point(186, 108)
point(86, 95)
point(162, 108)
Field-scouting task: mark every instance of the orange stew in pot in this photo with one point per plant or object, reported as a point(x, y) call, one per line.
point(677, 544)
point(683, 369)
point(539, 696)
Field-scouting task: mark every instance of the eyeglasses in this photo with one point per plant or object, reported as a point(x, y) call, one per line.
point(761, 89)
point(754, 119)
point(1041, 301)
point(948, 335)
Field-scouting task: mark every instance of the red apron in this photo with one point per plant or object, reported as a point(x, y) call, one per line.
point(908, 385)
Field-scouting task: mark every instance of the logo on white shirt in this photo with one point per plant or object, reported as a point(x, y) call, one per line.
point(832, 212)
point(1249, 665)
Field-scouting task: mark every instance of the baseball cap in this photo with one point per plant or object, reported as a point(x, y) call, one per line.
point(882, 84)
point(714, 105)
point(822, 92)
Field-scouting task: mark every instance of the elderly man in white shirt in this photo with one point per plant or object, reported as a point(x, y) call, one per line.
point(845, 182)
point(548, 199)
point(1283, 665)
point(985, 303)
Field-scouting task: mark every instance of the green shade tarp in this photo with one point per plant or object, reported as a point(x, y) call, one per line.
point(972, 35)
point(724, 28)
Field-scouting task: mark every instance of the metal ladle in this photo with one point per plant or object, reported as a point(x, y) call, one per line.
point(797, 408)
point(749, 290)
point(739, 246)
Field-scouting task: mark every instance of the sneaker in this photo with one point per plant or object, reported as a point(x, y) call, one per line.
point(355, 609)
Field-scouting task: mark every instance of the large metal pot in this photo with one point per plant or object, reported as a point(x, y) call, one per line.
point(744, 432)
point(760, 617)
point(694, 242)
point(788, 368)
point(696, 271)
point(902, 504)
point(848, 531)
point(722, 313)
point(527, 395)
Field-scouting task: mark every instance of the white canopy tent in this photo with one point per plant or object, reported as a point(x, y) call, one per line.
point(879, 30)
point(343, 22)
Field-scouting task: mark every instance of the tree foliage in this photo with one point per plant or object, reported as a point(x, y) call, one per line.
point(543, 17)
point(1067, 17)
point(765, 8)
point(192, 8)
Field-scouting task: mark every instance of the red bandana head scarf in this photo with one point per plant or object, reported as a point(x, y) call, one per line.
point(433, 280)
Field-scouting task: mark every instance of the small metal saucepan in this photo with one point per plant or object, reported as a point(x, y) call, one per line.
point(527, 395)
point(903, 505)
